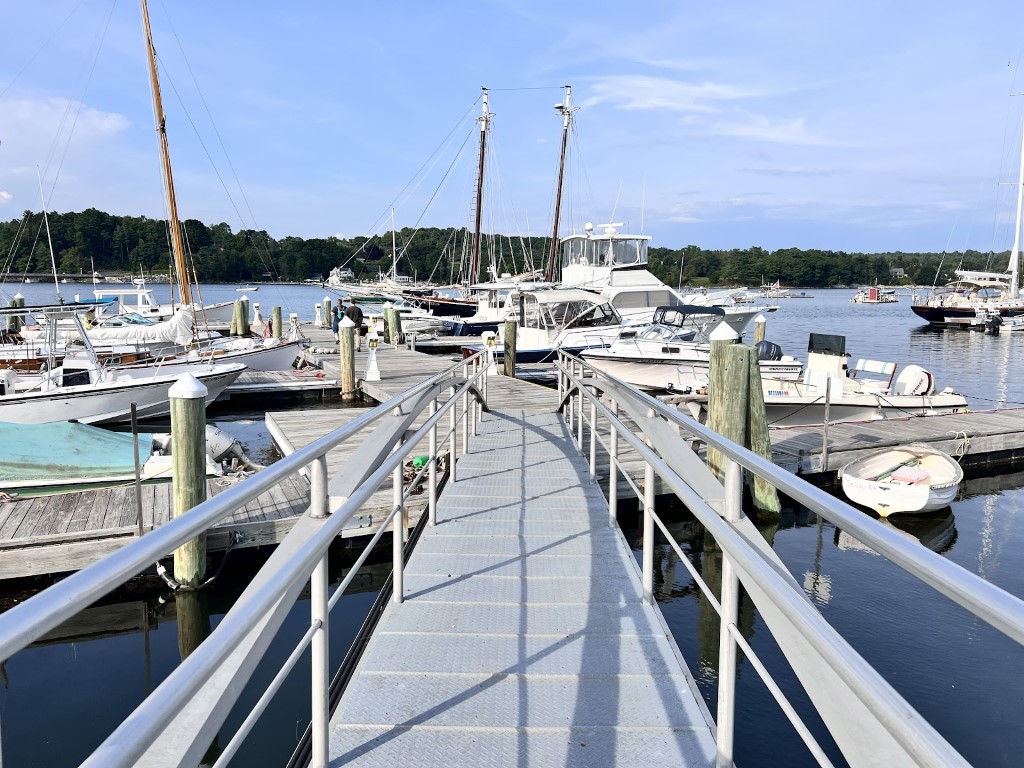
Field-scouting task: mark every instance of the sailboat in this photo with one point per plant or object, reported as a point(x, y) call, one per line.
point(974, 293)
point(260, 354)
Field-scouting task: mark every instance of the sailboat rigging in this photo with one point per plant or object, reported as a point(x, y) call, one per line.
point(485, 122)
point(566, 110)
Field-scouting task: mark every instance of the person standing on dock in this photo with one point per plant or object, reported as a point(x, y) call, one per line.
point(336, 315)
point(355, 314)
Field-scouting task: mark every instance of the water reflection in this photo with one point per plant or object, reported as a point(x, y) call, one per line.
point(935, 530)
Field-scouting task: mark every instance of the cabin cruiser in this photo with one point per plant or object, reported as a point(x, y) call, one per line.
point(614, 264)
point(673, 353)
point(140, 300)
point(557, 319)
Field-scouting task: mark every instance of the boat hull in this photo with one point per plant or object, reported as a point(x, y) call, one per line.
point(911, 479)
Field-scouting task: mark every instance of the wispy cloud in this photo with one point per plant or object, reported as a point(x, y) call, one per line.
point(793, 171)
point(642, 92)
point(35, 118)
point(747, 125)
point(5, 197)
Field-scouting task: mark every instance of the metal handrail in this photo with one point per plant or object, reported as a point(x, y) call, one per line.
point(28, 621)
point(906, 728)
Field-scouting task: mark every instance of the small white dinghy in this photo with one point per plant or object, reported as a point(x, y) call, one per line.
point(913, 478)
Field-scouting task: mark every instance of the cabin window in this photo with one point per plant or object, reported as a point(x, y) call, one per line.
point(641, 299)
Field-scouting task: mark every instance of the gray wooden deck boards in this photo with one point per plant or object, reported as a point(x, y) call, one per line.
point(523, 639)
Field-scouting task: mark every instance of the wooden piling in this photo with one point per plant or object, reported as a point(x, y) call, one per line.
point(236, 319)
point(766, 498)
point(392, 326)
point(244, 328)
point(760, 327)
point(347, 353)
point(188, 470)
point(327, 312)
point(275, 319)
point(510, 348)
point(728, 388)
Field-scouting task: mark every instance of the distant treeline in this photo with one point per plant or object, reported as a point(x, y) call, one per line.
point(94, 240)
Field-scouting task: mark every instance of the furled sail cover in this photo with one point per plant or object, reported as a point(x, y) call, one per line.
point(66, 451)
point(177, 329)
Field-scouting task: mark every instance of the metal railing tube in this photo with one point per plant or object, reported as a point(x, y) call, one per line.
point(985, 600)
point(579, 411)
point(464, 414)
point(232, 747)
point(613, 469)
point(432, 448)
point(318, 487)
point(128, 742)
point(398, 530)
point(453, 440)
point(648, 533)
point(730, 592)
point(780, 698)
point(367, 550)
point(922, 742)
point(593, 441)
point(28, 621)
point(321, 674)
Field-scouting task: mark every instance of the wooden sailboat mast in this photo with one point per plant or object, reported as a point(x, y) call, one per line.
point(177, 242)
point(485, 121)
point(566, 110)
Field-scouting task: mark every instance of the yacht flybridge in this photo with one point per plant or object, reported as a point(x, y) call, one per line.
point(614, 264)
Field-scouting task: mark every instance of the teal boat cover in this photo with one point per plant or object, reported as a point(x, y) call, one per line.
point(66, 451)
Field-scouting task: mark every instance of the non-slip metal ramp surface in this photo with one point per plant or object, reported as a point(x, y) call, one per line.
point(523, 639)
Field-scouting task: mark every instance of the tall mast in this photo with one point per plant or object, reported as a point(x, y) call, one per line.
point(565, 110)
point(49, 240)
point(1014, 266)
point(485, 122)
point(177, 243)
point(394, 249)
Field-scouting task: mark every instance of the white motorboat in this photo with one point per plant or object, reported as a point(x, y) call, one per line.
point(875, 295)
point(868, 391)
point(139, 299)
point(92, 393)
point(912, 478)
point(558, 319)
point(673, 353)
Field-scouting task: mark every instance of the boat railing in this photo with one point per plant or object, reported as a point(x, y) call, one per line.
point(177, 722)
point(865, 716)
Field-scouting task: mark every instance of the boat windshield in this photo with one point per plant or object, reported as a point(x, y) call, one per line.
point(604, 252)
point(126, 318)
point(580, 314)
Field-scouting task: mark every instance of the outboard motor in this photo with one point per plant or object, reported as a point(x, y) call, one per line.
point(992, 323)
point(768, 350)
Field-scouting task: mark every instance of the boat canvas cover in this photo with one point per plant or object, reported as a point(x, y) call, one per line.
point(66, 451)
point(177, 329)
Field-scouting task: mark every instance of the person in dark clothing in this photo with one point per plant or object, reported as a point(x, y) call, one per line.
point(337, 313)
point(355, 314)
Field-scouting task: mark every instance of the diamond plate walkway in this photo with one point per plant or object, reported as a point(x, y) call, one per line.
point(523, 640)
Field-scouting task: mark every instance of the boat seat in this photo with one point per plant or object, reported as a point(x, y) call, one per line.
point(874, 366)
point(909, 476)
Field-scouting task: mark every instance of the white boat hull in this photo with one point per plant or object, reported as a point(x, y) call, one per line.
point(110, 401)
point(674, 373)
point(914, 479)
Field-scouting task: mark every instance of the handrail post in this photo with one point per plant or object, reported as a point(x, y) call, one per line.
point(318, 488)
point(570, 406)
point(613, 469)
point(453, 436)
point(432, 472)
point(648, 553)
point(397, 532)
point(593, 437)
point(465, 418)
point(320, 656)
point(579, 412)
point(560, 378)
point(730, 611)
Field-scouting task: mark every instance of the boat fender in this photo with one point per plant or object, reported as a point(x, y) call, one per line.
point(8, 378)
point(914, 380)
point(768, 350)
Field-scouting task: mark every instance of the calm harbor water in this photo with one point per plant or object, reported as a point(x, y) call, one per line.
point(60, 699)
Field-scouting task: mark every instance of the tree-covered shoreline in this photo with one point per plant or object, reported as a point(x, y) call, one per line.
point(93, 240)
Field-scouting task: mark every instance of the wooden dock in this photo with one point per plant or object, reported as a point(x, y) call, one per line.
point(977, 439)
point(522, 639)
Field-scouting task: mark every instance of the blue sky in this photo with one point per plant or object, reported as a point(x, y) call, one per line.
point(864, 126)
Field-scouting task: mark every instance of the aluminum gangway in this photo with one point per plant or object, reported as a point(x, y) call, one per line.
point(523, 638)
point(484, 656)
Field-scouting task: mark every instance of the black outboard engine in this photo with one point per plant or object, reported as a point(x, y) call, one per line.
point(768, 350)
point(993, 322)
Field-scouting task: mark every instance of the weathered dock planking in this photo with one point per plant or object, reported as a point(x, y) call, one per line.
point(55, 534)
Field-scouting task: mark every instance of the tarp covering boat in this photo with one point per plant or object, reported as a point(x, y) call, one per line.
point(66, 452)
point(176, 329)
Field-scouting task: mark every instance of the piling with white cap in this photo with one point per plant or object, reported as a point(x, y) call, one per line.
point(188, 470)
